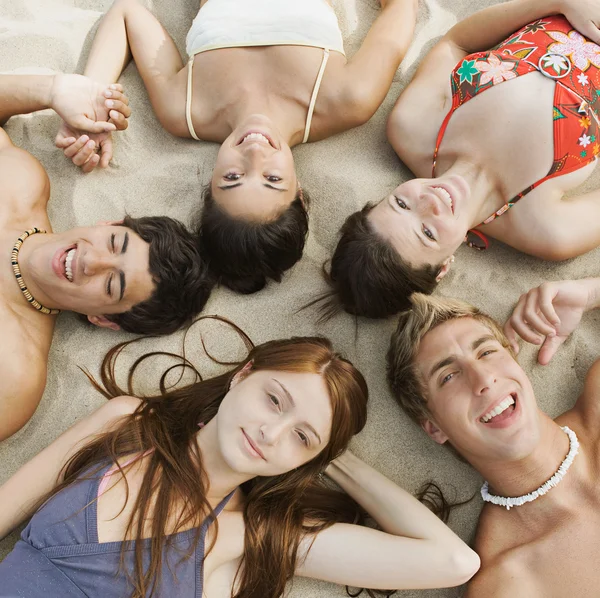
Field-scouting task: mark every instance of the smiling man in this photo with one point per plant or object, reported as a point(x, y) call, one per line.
point(453, 371)
point(143, 275)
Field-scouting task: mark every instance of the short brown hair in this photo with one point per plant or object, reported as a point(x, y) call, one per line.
point(427, 313)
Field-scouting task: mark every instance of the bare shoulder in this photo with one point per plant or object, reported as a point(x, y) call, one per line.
point(422, 105)
point(24, 183)
point(588, 404)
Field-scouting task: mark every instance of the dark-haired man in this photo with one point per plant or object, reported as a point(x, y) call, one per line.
point(453, 371)
point(143, 275)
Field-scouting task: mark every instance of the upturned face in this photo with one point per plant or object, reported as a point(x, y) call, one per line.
point(271, 422)
point(254, 177)
point(480, 399)
point(424, 219)
point(93, 270)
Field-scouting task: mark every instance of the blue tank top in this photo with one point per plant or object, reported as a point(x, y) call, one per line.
point(59, 555)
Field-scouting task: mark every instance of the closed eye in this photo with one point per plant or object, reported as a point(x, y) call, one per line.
point(108, 285)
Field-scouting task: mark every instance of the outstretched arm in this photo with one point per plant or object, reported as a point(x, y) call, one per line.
point(38, 477)
point(548, 314)
point(129, 30)
point(414, 550)
point(367, 77)
point(488, 27)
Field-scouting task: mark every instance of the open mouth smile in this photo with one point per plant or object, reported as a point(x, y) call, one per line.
point(445, 196)
point(502, 411)
point(257, 137)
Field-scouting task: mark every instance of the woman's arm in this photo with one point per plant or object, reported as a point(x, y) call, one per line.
point(414, 550)
point(39, 476)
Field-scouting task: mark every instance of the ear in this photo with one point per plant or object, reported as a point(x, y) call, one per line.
point(446, 265)
point(103, 322)
point(243, 373)
point(434, 432)
point(109, 222)
point(299, 188)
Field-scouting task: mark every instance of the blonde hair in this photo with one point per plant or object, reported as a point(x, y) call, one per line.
point(427, 313)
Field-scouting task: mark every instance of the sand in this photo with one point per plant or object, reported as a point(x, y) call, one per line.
point(155, 173)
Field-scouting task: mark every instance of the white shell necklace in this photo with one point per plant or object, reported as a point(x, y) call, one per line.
point(517, 501)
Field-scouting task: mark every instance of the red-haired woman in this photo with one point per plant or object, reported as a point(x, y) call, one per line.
point(130, 495)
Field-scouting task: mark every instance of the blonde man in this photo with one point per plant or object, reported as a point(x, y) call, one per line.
point(454, 372)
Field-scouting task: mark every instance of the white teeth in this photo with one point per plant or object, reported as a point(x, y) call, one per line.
point(446, 195)
point(68, 262)
point(256, 137)
point(505, 404)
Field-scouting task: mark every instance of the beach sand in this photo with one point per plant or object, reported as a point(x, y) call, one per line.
point(155, 173)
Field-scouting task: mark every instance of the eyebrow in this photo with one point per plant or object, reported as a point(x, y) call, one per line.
point(125, 242)
point(451, 358)
point(226, 187)
point(291, 400)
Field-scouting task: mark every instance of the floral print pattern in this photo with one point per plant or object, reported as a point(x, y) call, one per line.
point(581, 51)
point(467, 71)
point(495, 70)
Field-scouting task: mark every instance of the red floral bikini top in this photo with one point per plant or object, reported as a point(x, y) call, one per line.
point(552, 47)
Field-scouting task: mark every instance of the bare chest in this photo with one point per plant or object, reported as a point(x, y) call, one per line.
point(508, 129)
point(561, 562)
point(277, 78)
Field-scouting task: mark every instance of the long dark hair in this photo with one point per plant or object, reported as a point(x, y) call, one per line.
point(279, 511)
point(243, 255)
point(181, 276)
point(367, 275)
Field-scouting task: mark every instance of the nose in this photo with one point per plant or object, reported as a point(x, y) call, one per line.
point(430, 202)
point(271, 433)
point(482, 378)
point(95, 262)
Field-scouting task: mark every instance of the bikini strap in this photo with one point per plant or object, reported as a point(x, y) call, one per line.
point(188, 100)
point(315, 93)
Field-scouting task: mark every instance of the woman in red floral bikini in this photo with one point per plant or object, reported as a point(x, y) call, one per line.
point(515, 151)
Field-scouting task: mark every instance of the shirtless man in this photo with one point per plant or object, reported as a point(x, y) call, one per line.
point(112, 273)
point(453, 371)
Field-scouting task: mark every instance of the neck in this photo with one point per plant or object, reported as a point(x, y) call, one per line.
point(519, 477)
point(28, 264)
point(483, 196)
point(221, 478)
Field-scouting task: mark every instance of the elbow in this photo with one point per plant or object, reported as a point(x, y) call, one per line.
point(464, 563)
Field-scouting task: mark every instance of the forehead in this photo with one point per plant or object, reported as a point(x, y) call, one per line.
point(253, 201)
point(308, 392)
point(453, 337)
point(401, 229)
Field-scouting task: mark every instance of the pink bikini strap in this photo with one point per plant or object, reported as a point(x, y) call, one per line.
point(106, 477)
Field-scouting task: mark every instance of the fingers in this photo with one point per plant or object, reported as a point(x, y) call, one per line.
point(83, 153)
point(519, 324)
point(533, 316)
point(589, 30)
point(118, 106)
point(63, 142)
point(549, 349)
point(546, 298)
point(83, 123)
point(512, 337)
point(106, 153)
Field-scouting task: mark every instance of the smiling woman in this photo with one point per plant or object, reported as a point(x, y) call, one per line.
point(249, 447)
point(261, 77)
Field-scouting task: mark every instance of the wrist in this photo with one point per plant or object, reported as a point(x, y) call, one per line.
point(593, 285)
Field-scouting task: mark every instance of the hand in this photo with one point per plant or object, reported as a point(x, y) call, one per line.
point(86, 105)
point(584, 15)
point(547, 315)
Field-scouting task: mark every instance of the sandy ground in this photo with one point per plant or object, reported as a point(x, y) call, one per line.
point(155, 173)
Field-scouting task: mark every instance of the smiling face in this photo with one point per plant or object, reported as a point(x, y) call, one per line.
point(271, 422)
point(254, 177)
point(479, 398)
point(424, 219)
point(93, 270)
